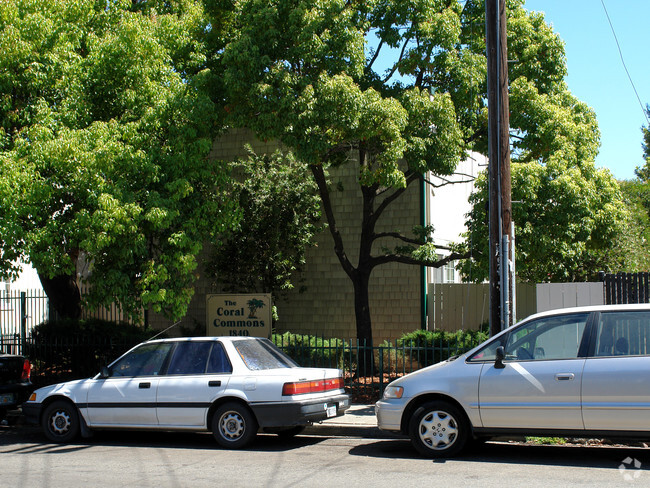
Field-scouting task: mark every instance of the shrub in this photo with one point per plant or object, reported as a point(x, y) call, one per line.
point(311, 351)
point(69, 349)
point(430, 347)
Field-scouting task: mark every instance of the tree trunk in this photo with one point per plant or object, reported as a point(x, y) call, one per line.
point(366, 361)
point(63, 294)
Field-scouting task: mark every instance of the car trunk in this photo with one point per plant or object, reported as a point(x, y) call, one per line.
point(11, 369)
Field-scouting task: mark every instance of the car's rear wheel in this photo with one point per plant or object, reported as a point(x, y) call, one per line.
point(233, 425)
point(61, 421)
point(438, 429)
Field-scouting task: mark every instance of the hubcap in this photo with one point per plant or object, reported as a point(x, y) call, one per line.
point(231, 425)
point(438, 430)
point(60, 422)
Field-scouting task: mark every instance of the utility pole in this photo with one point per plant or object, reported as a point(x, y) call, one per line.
point(500, 211)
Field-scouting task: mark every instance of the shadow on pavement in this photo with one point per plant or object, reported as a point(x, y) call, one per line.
point(514, 453)
point(31, 439)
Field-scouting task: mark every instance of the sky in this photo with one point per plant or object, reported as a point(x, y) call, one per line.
point(596, 74)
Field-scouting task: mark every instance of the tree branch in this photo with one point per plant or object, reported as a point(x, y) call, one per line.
point(374, 58)
point(400, 258)
point(397, 235)
point(321, 182)
point(449, 182)
point(401, 55)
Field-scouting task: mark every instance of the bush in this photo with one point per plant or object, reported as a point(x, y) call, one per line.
point(311, 351)
point(430, 347)
point(69, 349)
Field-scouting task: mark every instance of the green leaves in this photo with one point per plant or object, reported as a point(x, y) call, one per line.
point(280, 213)
point(106, 141)
point(568, 221)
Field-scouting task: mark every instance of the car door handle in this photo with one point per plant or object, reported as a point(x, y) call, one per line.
point(143, 386)
point(564, 376)
point(214, 383)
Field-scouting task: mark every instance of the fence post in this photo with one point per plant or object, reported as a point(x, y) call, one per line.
point(23, 321)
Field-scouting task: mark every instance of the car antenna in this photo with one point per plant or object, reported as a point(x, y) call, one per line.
point(163, 331)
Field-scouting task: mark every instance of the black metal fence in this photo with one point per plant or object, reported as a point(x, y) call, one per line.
point(367, 370)
point(20, 311)
point(622, 288)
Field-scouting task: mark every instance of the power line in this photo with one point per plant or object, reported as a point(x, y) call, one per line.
point(645, 113)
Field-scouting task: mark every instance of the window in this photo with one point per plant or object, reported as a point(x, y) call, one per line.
point(623, 334)
point(190, 357)
point(549, 338)
point(262, 354)
point(557, 337)
point(146, 360)
point(449, 273)
point(218, 362)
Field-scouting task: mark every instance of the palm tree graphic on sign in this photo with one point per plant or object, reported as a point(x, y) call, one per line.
point(253, 305)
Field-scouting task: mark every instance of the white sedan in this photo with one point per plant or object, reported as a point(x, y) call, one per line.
point(233, 386)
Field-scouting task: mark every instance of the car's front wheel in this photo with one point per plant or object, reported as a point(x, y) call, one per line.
point(233, 425)
point(61, 421)
point(438, 429)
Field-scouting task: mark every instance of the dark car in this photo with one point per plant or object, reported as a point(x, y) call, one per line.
point(15, 384)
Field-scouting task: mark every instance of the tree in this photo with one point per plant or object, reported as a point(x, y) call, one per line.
point(280, 215)
point(569, 221)
point(643, 172)
point(305, 73)
point(633, 244)
point(104, 135)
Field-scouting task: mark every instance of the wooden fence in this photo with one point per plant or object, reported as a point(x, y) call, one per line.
point(466, 306)
point(621, 288)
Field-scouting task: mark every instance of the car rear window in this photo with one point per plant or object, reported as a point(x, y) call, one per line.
point(262, 354)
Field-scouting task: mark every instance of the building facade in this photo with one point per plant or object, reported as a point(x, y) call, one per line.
point(398, 292)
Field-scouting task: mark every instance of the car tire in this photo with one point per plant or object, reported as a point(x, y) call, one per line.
point(61, 421)
point(233, 425)
point(438, 429)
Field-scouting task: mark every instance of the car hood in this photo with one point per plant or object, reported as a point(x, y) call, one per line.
point(440, 370)
point(69, 388)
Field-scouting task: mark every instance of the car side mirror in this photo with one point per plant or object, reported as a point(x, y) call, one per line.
point(104, 373)
point(500, 355)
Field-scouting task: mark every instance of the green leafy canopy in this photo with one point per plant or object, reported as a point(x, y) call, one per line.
point(105, 130)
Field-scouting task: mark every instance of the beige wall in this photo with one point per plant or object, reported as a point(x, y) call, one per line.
point(327, 305)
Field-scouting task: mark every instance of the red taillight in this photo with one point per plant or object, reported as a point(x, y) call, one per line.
point(27, 371)
point(317, 386)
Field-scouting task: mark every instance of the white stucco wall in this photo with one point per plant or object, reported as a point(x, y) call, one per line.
point(447, 205)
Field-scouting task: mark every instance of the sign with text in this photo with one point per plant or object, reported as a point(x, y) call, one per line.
point(238, 315)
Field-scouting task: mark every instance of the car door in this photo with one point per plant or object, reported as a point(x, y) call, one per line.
point(539, 385)
point(128, 396)
point(198, 373)
point(616, 379)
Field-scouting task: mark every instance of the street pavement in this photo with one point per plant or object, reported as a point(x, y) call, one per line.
point(358, 421)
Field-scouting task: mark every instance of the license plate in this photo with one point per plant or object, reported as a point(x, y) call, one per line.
point(7, 398)
point(331, 411)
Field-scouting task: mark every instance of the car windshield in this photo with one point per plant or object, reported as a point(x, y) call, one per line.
point(262, 354)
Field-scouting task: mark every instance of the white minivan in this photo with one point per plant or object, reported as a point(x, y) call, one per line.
point(573, 372)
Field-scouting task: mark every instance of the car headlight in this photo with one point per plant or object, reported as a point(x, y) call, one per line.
point(392, 392)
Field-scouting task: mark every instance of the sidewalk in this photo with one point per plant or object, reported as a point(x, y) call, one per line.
point(358, 421)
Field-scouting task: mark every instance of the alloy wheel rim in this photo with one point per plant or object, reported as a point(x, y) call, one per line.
point(438, 430)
